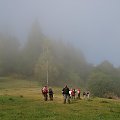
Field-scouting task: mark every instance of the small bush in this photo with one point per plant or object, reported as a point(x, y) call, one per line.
point(21, 96)
point(110, 96)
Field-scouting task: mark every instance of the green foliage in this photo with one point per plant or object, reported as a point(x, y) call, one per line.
point(107, 68)
point(102, 85)
point(98, 83)
point(116, 86)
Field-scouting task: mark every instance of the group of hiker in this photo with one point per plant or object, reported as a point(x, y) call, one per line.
point(86, 94)
point(70, 94)
point(74, 93)
point(67, 93)
point(46, 91)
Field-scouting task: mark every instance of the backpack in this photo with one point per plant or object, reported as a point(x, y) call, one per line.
point(73, 92)
point(50, 91)
point(78, 91)
point(44, 90)
point(65, 90)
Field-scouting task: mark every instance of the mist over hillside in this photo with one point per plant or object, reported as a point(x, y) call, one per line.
point(93, 26)
point(62, 42)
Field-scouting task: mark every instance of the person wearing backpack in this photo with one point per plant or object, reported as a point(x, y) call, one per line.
point(84, 94)
point(66, 95)
point(88, 94)
point(73, 93)
point(51, 94)
point(45, 93)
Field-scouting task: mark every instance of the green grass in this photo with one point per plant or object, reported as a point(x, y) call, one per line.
point(27, 104)
point(8, 82)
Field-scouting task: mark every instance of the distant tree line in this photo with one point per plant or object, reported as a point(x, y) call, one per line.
point(65, 64)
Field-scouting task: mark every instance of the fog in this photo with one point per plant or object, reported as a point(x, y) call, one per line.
point(91, 25)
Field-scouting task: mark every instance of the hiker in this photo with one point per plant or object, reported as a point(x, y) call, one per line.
point(70, 93)
point(84, 94)
point(78, 92)
point(45, 92)
point(51, 94)
point(73, 93)
point(88, 94)
point(65, 92)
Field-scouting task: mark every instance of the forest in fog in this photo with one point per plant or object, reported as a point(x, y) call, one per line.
point(64, 63)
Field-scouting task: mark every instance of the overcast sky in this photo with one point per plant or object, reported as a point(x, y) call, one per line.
point(92, 25)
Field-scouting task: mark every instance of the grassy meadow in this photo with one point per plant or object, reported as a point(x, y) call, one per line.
point(22, 100)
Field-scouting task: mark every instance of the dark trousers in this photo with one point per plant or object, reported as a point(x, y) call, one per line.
point(66, 98)
point(45, 96)
point(51, 96)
